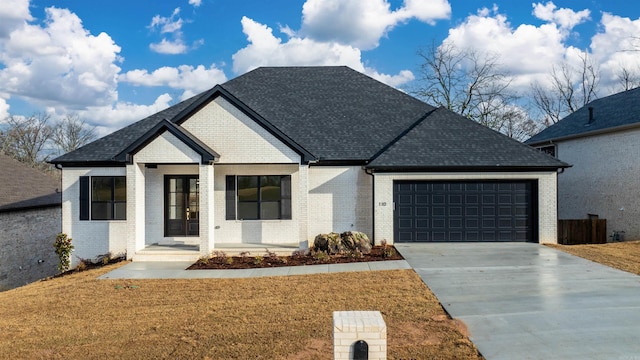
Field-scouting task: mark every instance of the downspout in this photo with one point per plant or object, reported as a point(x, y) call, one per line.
point(373, 205)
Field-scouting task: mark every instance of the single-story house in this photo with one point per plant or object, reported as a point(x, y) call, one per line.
point(30, 219)
point(281, 154)
point(602, 142)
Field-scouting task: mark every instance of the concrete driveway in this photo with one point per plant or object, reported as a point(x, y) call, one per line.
point(528, 301)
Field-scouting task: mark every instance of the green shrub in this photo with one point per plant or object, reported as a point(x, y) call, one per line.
point(63, 250)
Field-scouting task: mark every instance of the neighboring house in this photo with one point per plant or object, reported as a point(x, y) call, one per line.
point(281, 154)
point(30, 219)
point(602, 142)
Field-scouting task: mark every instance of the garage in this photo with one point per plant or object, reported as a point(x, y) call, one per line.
point(465, 211)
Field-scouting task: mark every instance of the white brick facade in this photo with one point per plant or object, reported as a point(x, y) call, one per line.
point(339, 200)
point(602, 181)
point(547, 198)
point(237, 138)
point(324, 198)
point(90, 237)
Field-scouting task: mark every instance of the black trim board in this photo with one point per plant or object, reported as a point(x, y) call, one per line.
point(206, 153)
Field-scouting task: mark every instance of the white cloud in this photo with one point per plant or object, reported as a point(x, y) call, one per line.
point(4, 109)
point(195, 3)
point(616, 46)
point(265, 49)
point(362, 23)
point(59, 62)
point(171, 25)
point(392, 80)
point(184, 77)
point(13, 13)
point(530, 52)
point(563, 17)
point(109, 118)
point(169, 47)
point(527, 52)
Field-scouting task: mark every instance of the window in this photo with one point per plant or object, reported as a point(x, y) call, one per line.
point(265, 197)
point(108, 198)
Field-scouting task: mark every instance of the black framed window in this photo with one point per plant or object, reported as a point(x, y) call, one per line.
point(108, 198)
point(264, 197)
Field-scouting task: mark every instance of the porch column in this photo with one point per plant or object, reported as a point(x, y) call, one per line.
point(135, 209)
point(302, 198)
point(207, 224)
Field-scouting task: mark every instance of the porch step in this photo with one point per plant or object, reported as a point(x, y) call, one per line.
point(166, 255)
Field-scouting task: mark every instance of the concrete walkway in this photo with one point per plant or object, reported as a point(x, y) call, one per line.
point(528, 301)
point(176, 270)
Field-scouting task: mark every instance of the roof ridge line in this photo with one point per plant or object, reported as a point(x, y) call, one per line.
point(401, 135)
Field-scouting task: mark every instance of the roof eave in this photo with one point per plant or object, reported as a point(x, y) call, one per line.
point(584, 134)
point(207, 155)
point(384, 168)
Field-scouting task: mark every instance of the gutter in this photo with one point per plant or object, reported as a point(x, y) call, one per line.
point(585, 134)
point(373, 203)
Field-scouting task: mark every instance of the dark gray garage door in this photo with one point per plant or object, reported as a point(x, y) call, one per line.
point(463, 211)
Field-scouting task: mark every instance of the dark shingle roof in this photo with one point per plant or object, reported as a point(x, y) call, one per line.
point(338, 114)
point(22, 187)
point(445, 139)
point(105, 149)
point(614, 111)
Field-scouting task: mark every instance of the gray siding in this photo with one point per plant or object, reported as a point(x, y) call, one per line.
point(26, 245)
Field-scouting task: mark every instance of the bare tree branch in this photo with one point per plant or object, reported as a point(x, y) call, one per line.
point(467, 82)
point(570, 90)
point(72, 133)
point(26, 139)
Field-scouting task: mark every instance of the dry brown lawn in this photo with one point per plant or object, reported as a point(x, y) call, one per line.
point(622, 255)
point(80, 317)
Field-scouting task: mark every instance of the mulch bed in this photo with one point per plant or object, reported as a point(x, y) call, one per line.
point(377, 253)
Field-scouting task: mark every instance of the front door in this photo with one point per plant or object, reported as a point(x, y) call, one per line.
point(181, 205)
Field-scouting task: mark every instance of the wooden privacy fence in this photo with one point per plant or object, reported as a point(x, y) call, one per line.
point(574, 232)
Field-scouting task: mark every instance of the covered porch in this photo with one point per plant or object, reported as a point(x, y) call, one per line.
point(177, 202)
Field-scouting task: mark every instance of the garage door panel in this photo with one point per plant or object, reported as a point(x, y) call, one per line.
point(438, 223)
point(405, 211)
point(471, 211)
point(464, 211)
point(471, 223)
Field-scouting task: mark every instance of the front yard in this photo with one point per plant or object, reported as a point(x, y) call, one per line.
point(79, 317)
point(620, 255)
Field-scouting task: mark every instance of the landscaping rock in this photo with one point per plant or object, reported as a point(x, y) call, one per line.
point(321, 243)
point(356, 240)
point(335, 244)
point(347, 242)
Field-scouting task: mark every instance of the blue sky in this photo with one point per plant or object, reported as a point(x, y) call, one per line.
point(115, 62)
